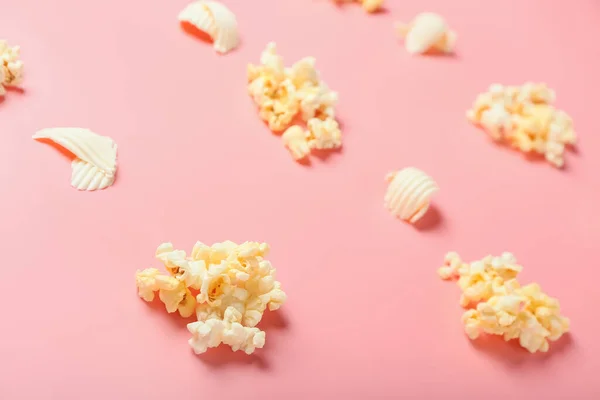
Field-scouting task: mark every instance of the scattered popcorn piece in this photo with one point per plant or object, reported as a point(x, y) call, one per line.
point(409, 193)
point(524, 118)
point(294, 139)
point(216, 20)
point(213, 331)
point(369, 6)
point(282, 93)
point(11, 71)
point(234, 286)
point(324, 134)
point(502, 306)
point(427, 32)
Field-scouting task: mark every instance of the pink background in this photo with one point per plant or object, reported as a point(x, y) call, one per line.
point(367, 316)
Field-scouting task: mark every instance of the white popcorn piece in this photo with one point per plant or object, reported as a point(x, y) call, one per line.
point(294, 139)
point(146, 283)
point(324, 134)
point(427, 31)
point(11, 67)
point(212, 332)
point(95, 165)
point(409, 193)
point(215, 19)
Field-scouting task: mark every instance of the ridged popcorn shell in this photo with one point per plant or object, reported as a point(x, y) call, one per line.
point(95, 164)
point(409, 193)
point(215, 19)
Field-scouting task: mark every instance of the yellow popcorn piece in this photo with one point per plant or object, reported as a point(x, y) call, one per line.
point(283, 94)
point(369, 6)
point(524, 118)
point(228, 287)
point(11, 66)
point(501, 306)
point(295, 140)
point(427, 32)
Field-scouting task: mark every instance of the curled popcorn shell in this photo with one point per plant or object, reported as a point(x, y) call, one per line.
point(409, 193)
point(216, 20)
point(427, 31)
point(95, 162)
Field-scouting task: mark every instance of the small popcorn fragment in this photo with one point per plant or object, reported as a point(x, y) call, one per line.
point(294, 139)
point(369, 6)
point(11, 67)
point(524, 118)
point(324, 134)
point(229, 330)
point(427, 32)
point(281, 94)
point(501, 306)
point(227, 286)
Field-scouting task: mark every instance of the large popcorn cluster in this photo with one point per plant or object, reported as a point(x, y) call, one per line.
point(228, 286)
point(524, 117)
point(11, 71)
point(501, 306)
point(282, 94)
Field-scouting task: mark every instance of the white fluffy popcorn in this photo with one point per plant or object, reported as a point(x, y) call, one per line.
point(427, 32)
point(282, 94)
point(11, 67)
point(501, 306)
point(295, 140)
point(229, 286)
point(229, 330)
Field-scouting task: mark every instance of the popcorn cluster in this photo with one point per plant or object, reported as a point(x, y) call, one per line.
point(11, 71)
point(524, 117)
point(228, 286)
point(500, 306)
point(369, 6)
point(282, 94)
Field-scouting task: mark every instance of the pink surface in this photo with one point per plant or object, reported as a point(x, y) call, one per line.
point(367, 316)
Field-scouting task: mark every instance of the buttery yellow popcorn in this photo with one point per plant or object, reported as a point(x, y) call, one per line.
point(281, 94)
point(295, 140)
point(11, 67)
point(228, 286)
point(524, 117)
point(502, 306)
point(481, 279)
point(369, 6)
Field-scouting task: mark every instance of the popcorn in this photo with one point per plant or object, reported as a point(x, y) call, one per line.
point(525, 118)
point(324, 135)
point(229, 330)
point(503, 307)
point(425, 33)
point(11, 67)
point(232, 286)
point(369, 6)
point(295, 140)
point(281, 94)
point(482, 279)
